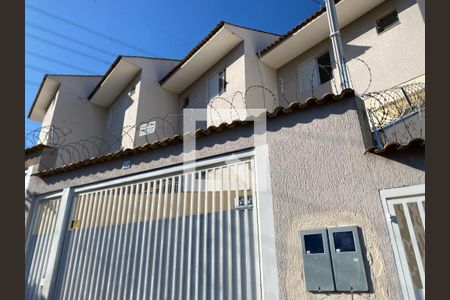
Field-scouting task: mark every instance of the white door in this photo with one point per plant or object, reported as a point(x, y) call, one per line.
point(405, 209)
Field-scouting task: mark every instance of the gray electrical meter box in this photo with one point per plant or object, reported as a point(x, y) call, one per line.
point(347, 259)
point(316, 260)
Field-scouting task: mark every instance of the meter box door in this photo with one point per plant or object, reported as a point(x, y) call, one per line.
point(316, 260)
point(348, 263)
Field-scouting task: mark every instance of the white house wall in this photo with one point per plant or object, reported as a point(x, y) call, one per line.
point(258, 76)
point(234, 64)
point(320, 178)
point(393, 57)
point(124, 108)
point(154, 101)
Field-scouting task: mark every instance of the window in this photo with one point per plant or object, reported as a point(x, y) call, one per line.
point(315, 71)
point(387, 22)
point(113, 121)
point(324, 66)
point(185, 103)
point(217, 85)
point(132, 90)
point(222, 82)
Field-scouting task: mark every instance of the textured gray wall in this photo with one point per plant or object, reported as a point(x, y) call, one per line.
point(393, 57)
point(320, 178)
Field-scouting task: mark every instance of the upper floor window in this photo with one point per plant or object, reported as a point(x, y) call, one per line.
point(113, 120)
point(132, 90)
point(315, 71)
point(217, 84)
point(185, 103)
point(324, 66)
point(387, 22)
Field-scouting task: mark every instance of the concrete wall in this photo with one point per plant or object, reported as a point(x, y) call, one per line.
point(234, 63)
point(376, 61)
point(320, 178)
point(120, 130)
point(246, 78)
point(156, 103)
point(260, 79)
point(73, 111)
point(148, 102)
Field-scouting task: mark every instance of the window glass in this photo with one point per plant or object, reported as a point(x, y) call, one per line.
point(387, 22)
point(185, 102)
point(343, 241)
point(313, 243)
point(324, 68)
point(222, 82)
point(213, 87)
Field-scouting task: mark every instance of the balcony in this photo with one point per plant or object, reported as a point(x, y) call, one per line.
point(396, 115)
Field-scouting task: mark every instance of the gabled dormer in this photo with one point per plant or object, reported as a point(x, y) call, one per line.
point(62, 107)
point(223, 73)
point(131, 96)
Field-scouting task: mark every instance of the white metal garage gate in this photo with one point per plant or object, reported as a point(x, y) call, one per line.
point(190, 235)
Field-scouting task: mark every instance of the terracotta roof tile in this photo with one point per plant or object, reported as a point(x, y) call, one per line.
point(395, 146)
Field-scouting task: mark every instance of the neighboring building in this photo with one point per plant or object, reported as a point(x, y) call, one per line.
point(294, 188)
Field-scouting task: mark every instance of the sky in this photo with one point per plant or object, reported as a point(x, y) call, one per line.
point(85, 36)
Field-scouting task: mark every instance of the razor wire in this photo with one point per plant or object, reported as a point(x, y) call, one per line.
point(281, 93)
point(402, 105)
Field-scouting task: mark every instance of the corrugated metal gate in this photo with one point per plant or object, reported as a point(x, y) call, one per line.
point(190, 235)
point(38, 246)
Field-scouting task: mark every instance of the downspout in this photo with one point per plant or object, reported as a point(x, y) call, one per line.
point(336, 42)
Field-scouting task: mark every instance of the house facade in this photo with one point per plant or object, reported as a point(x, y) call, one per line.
point(242, 171)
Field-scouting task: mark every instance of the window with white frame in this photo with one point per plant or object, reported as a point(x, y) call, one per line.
point(113, 119)
point(132, 90)
point(315, 71)
point(387, 22)
point(217, 84)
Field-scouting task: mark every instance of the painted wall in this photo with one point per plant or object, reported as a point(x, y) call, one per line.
point(234, 63)
point(73, 115)
point(320, 178)
point(73, 111)
point(69, 105)
point(246, 78)
point(260, 79)
point(148, 102)
point(376, 61)
point(121, 116)
point(156, 103)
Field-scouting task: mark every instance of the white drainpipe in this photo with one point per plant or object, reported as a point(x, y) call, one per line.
point(336, 41)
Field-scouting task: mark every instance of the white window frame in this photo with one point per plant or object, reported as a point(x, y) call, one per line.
point(217, 91)
point(316, 79)
point(403, 271)
point(388, 27)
